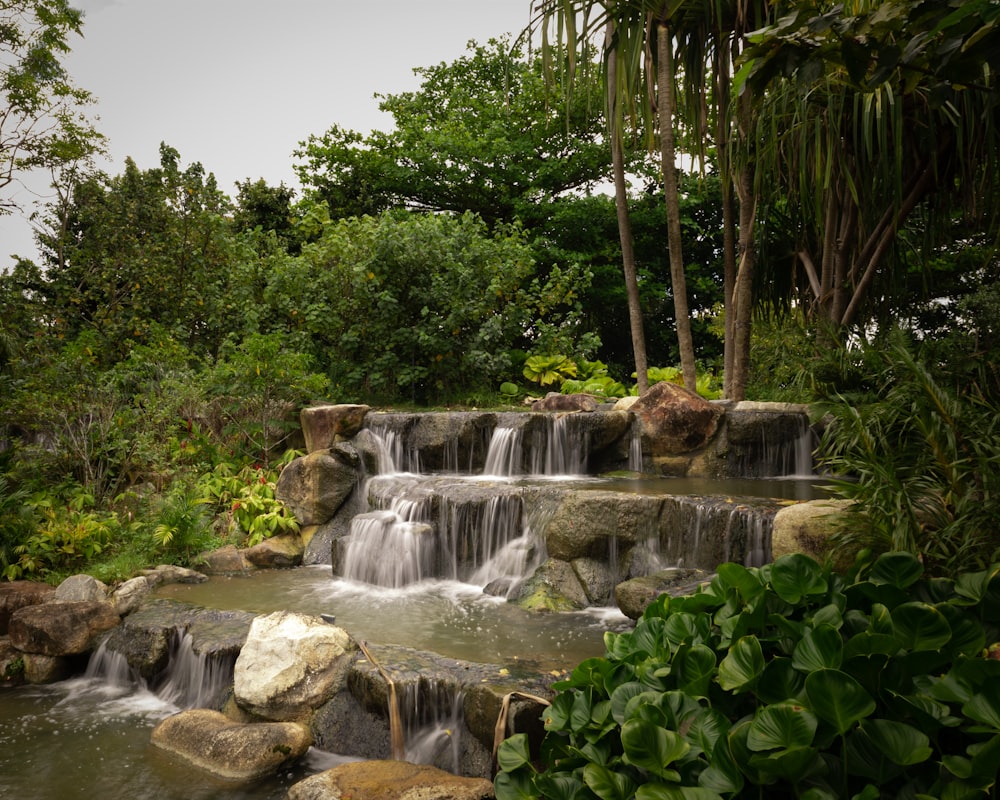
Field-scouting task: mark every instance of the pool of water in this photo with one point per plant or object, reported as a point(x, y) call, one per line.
point(453, 619)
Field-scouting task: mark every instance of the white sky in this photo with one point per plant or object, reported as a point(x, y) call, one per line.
point(237, 84)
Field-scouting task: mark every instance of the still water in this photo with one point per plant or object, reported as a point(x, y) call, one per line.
point(88, 738)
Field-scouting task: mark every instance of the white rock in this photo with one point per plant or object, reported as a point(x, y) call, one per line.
point(290, 664)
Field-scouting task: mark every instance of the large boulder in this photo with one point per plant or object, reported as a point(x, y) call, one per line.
point(675, 420)
point(634, 595)
point(389, 780)
point(554, 586)
point(18, 594)
point(61, 629)
point(127, 597)
point(594, 524)
point(314, 486)
point(278, 552)
point(231, 750)
point(324, 426)
point(171, 573)
point(808, 527)
point(290, 665)
point(554, 401)
point(77, 588)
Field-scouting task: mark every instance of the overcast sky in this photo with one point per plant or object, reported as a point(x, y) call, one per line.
point(237, 84)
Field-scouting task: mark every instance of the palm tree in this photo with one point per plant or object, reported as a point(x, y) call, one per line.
point(865, 134)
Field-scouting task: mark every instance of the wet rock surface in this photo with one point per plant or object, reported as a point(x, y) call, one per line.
point(230, 750)
point(389, 780)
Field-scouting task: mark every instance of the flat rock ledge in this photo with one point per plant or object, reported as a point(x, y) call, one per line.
point(389, 780)
point(230, 750)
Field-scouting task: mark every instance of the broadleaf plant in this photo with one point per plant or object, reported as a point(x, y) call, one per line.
point(787, 680)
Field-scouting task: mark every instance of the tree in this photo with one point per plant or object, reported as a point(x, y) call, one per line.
point(877, 118)
point(480, 134)
point(42, 124)
point(144, 250)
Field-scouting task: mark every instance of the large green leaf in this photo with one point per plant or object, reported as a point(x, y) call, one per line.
point(919, 626)
point(517, 786)
point(790, 765)
point(557, 786)
point(621, 697)
point(780, 681)
point(706, 729)
point(796, 576)
point(838, 699)
point(652, 748)
point(781, 726)
point(901, 743)
point(694, 669)
point(984, 707)
point(514, 753)
point(742, 665)
point(607, 784)
point(743, 580)
point(897, 569)
point(662, 791)
point(820, 648)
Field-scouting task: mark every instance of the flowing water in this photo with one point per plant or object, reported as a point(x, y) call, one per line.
point(411, 572)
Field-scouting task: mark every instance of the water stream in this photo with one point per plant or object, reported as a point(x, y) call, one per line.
point(428, 565)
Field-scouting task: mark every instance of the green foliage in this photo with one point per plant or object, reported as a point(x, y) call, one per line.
point(259, 384)
point(247, 496)
point(42, 120)
point(787, 680)
point(183, 522)
point(417, 307)
point(920, 460)
point(69, 533)
point(479, 136)
point(548, 370)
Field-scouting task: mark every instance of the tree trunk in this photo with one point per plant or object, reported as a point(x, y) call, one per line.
point(743, 290)
point(625, 229)
point(722, 89)
point(665, 108)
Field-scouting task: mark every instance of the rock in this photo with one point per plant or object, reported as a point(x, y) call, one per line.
point(554, 401)
point(625, 403)
point(171, 573)
point(314, 486)
point(596, 578)
point(675, 420)
point(323, 426)
point(589, 523)
point(807, 527)
point(290, 665)
point(632, 596)
point(389, 780)
point(231, 750)
point(127, 597)
point(18, 594)
point(226, 560)
point(61, 629)
point(553, 587)
point(278, 552)
point(40, 669)
point(81, 588)
point(11, 664)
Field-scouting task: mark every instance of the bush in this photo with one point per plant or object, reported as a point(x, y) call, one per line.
point(789, 679)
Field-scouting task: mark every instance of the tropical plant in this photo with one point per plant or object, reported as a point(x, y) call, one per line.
point(247, 497)
point(548, 370)
point(184, 522)
point(787, 680)
point(919, 461)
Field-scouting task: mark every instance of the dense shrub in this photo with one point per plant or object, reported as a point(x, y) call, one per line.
point(787, 680)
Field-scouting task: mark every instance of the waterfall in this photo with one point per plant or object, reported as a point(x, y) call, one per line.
point(432, 716)
point(505, 452)
point(635, 447)
point(560, 448)
point(189, 680)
